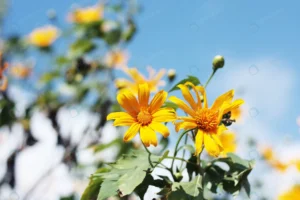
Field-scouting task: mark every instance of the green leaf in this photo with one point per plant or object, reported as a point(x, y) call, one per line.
point(191, 166)
point(62, 60)
point(113, 37)
point(126, 174)
point(80, 47)
point(232, 180)
point(7, 112)
point(92, 191)
point(102, 147)
point(71, 197)
point(191, 79)
point(49, 76)
point(187, 190)
point(141, 189)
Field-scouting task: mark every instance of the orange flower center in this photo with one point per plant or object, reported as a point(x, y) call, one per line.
point(207, 120)
point(144, 117)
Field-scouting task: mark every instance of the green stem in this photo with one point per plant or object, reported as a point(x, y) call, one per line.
point(212, 74)
point(149, 155)
point(176, 147)
point(183, 154)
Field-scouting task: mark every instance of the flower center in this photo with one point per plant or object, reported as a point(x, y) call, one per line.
point(144, 117)
point(207, 120)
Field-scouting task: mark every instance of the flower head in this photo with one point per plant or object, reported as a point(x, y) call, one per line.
point(20, 70)
point(273, 161)
point(87, 15)
point(154, 80)
point(116, 59)
point(43, 36)
point(3, 79)
point(292, 194)
point(142, 116)
point(208, 121)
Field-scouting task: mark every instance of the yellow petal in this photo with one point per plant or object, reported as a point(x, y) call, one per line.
point(143, 94)
point(160, 128)
point(131, 132)
point(116, 115)
point(203, 92)
point(230, 106)
point(199, 103)
point(187, 96)
point(185, 126)
point(164, 115)
point(221, 129)
point(157, 101)
point(148, 136)
point(211, 146)
point(183, 106)
point(199, 142)
point(128, 101)
point(226, 97)
point(135, 75)
point(124, 122)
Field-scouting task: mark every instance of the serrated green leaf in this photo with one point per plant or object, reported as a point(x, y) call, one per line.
point(191, 79)
point(126, 174)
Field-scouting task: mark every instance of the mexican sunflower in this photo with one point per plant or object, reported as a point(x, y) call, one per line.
point(87, 15)
point(142, 116)
point(292, 194)
point(154, 80)
point(43, 36)
point(3, 79)
point(206, 120)
point(228, 141)
point(116, 59)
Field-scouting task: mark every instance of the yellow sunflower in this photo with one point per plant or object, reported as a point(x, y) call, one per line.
point(292, 194)
point(88, 14)
point(206, 120)
point(43, 36)
point(142, 116)
point(154, 80)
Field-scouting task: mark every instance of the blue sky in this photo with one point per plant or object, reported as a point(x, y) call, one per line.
point(186, 36)
point(257, 38)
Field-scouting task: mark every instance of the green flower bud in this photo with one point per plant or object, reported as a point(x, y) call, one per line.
point(218, 62)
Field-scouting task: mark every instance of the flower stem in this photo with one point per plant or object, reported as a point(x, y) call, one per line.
point(149, 155)
point(209, 79)
point(176, 147)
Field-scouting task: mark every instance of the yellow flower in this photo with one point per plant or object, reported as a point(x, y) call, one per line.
point(116, 59)
point(142, 116)
point(88, 14)
point(292, 194)
point(3, 79)
point(271, 159)
point(154, 80)
point(20, 71)
point(43, 36)
point(206, 120)
point(228, 142)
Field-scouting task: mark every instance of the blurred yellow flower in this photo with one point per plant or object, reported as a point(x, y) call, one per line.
point(87, 14)
point(116, 58)
point(142, 116)
point(228, 141)
point(206, 120)
point(19, 70)
point(154, 80)
point(292, 194)
point(3, 79)
point(271, 159)
point(43, 36)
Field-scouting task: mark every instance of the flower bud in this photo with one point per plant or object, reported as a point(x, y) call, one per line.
point(178, 176)
point(218, 62)
point(171, 74)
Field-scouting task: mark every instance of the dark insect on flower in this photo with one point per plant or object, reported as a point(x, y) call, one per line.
point(227, 115)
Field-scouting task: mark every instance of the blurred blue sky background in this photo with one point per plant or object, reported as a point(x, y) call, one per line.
point(259, 39)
